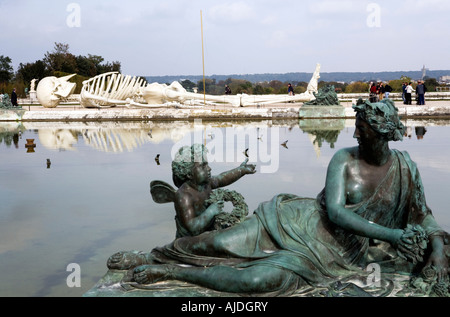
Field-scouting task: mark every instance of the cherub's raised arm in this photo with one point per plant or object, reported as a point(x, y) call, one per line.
point(231, 176)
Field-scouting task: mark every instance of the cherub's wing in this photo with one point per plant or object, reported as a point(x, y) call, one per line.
point(162, 192)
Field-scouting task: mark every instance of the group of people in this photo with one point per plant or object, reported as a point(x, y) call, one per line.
point(420, 91)
point(378, 92)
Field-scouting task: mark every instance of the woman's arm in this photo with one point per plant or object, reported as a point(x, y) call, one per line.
point(335, 194)
point(437, 257)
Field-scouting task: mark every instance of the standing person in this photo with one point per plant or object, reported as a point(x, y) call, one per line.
point(420, 90)
point(381, 91)
point(404, 93)
point(373, 93)
point(14, 98)
point(387, 90)
point(409, 91)
point(227, 90)
point(290, 90)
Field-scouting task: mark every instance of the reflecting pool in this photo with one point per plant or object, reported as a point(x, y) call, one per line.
point(79, 192)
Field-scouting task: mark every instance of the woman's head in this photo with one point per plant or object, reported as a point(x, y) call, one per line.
point(185, 160)
point(382, 117)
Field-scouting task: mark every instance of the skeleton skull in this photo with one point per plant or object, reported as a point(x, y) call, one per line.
point(51, 90)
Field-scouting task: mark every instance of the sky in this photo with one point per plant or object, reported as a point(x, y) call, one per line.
point(157, 38)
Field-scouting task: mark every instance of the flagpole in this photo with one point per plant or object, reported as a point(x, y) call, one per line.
point(203, 60)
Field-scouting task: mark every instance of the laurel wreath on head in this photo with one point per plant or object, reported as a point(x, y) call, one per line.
point(239, 212)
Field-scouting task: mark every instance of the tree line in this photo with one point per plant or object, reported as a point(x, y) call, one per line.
point(58, 62)
point(241, 86)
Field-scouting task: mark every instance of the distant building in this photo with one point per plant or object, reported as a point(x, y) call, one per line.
point(444, 79)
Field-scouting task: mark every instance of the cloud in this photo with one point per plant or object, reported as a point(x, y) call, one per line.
point(231, 12)
point(328, 7)
point(420, 6)
point(277, 38)
point(270, 20)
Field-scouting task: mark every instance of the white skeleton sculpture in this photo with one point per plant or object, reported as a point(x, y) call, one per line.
point(111, 89)
point(51, 90)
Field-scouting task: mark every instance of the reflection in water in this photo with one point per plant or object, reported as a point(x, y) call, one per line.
point(114, 137)
point(320, 130)
point(107, 137)
point(408, 132)
point(115, 140)
point(317, 137)
point(30, 145)
point(120, 137)
point(16, 140)
point(330, 136)
point(10, 133)
point(58, 139)
point(420, 132)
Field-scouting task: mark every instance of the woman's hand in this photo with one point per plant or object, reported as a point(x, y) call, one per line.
point(438, 260)
point(410, 243)
point(402, 244)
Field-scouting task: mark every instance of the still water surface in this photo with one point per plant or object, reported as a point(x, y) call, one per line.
point(82, 193)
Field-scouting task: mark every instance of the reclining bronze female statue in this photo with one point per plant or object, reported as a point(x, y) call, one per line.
point(373, 195)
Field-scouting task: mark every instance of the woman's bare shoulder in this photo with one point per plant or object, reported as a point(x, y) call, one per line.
point(345, 154)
